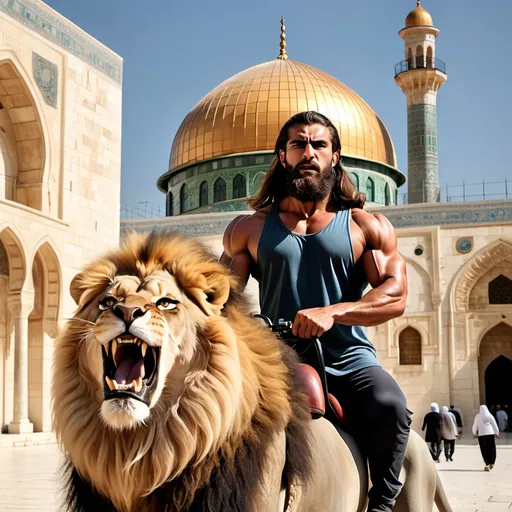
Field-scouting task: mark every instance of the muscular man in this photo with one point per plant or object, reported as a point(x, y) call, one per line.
point(313, 250)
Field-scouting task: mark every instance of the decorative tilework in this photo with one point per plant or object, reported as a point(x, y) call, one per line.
point(39, 18)
point(440, 214)
point(464, 245)
point(423, 167)
point(46, 75)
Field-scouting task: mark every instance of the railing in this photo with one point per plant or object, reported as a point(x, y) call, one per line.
point(421, 62)
point(141, 210)
point(465, 192)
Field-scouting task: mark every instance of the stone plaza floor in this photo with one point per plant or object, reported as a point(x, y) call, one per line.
point(29, 478)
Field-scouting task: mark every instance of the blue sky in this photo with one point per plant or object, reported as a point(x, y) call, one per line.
point(175, 52)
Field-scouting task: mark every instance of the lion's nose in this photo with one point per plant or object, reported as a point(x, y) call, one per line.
point(127, 314)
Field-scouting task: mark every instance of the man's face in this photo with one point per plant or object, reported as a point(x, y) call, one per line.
point(309, 161)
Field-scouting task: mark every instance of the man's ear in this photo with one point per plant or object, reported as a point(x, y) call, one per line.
point(335, 158)
point(282, 157)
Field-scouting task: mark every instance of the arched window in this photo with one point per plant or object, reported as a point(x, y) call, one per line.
point(370, 190)
point(219, 190)
point(203, 193)
point(409, 347)
point(168, 204)
point(183, 198)
point(410, 60)
point(239, 187)
point(419, 57)
point(500, 290)
point(430, 60)
point(354, 178)
point(387, 195)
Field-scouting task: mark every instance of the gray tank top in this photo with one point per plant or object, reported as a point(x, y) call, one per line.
point(305, 271)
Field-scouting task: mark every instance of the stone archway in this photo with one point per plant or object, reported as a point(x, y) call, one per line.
point(42, 327)
point(495, 364)
point(22, 129)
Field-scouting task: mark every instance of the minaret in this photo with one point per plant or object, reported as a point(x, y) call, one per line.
point(420, 76)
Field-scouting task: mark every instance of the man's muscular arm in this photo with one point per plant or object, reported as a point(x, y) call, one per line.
point(236, 255)
point(386, 273)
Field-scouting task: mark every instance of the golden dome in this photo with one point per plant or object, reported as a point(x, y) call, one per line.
point(246, 112)
point(419, 17)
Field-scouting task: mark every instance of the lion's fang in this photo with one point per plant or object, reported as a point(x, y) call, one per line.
point(112, 384)
point(143, 348)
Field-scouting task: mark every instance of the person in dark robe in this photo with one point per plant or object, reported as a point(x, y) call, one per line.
point(432, 422)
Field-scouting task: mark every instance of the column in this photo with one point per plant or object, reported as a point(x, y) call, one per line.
point(20, 306)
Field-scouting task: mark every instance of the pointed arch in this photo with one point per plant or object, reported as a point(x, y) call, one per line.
point(183, 198)
point(203, 193)
point(419, 57)
point(219, 190)
point(21, 100)
point(468, 275)
point(239, 186)
point(169, 204)
point(430, 57)
point(409, 347)
point(17, 259)
point(354, 178)
point(387, 195)
point(370, 190)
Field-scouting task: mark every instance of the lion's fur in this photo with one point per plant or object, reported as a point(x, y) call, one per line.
point(237, 392)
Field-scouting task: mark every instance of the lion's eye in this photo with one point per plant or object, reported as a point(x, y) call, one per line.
point(166, 304)
point(107, 302)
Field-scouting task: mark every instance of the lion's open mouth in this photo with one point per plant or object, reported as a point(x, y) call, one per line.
point(130, 367)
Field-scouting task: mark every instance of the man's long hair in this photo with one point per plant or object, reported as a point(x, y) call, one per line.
point(343, 194)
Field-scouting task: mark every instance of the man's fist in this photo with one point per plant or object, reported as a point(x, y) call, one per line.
point(313, 322)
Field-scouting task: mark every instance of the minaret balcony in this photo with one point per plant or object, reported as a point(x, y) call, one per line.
point(420, 63)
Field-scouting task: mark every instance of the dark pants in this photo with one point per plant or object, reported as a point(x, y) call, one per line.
point(449, 448)
point(435, 449)
point(488, 448)
point(379, 420)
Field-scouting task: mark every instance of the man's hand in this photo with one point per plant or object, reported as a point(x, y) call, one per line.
point(312, 323)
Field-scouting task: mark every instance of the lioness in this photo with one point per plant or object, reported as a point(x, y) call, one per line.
point(168, 395)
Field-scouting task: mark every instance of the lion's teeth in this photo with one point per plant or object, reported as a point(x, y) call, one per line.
point(114, 350)
point(143, 349)
point(110, 383)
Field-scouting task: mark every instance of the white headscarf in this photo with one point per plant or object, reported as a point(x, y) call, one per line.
point(485, 415)
point(434, 407)
point(444, 410)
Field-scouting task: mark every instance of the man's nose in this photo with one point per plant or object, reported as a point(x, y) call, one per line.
point(127, 314)
point(308, 152)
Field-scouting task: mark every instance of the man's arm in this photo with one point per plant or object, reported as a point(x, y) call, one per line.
point(386, 272)
point(236, 255)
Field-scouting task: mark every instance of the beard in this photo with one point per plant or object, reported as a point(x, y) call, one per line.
point(314, 187)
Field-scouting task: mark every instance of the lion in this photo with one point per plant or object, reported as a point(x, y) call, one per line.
point(168, 395)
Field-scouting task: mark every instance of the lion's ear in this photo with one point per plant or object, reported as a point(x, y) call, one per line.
point(213, 293)
point(77, 288)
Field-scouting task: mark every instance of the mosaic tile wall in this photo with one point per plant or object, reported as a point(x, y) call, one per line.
point(423, 167)
point(368, 177)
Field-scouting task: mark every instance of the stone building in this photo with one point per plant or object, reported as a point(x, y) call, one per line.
point(454, 342)
point(60, 152)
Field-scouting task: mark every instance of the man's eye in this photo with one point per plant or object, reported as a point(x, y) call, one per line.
point(166, 304)
point(107, 302)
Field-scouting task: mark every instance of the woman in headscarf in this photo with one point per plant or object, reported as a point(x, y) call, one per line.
point(432, 421)
point(448, 432)
point(486, 430)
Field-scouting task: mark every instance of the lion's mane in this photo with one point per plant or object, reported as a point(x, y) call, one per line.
point(207, 453)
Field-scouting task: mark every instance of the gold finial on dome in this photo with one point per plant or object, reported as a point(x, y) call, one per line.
point(282, 52)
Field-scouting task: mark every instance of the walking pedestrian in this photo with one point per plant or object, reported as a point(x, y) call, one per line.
point(458, 418)
point(432, 421)
point(448, 432)
point(501, 418)
point(486, 430)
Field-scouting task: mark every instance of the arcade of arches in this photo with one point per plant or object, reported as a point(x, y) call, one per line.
point(29, 307)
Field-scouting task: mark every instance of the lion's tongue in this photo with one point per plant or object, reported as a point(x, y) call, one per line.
point(130, 370)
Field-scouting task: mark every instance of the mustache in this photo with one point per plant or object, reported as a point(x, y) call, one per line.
point(307, 164)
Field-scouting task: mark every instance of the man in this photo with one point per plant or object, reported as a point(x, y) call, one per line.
point(458, 417)
point(501, 418)
point(313, 250)
point(433, 421)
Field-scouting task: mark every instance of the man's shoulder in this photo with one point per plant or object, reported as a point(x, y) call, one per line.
point(247, 220)
point(240, 229)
